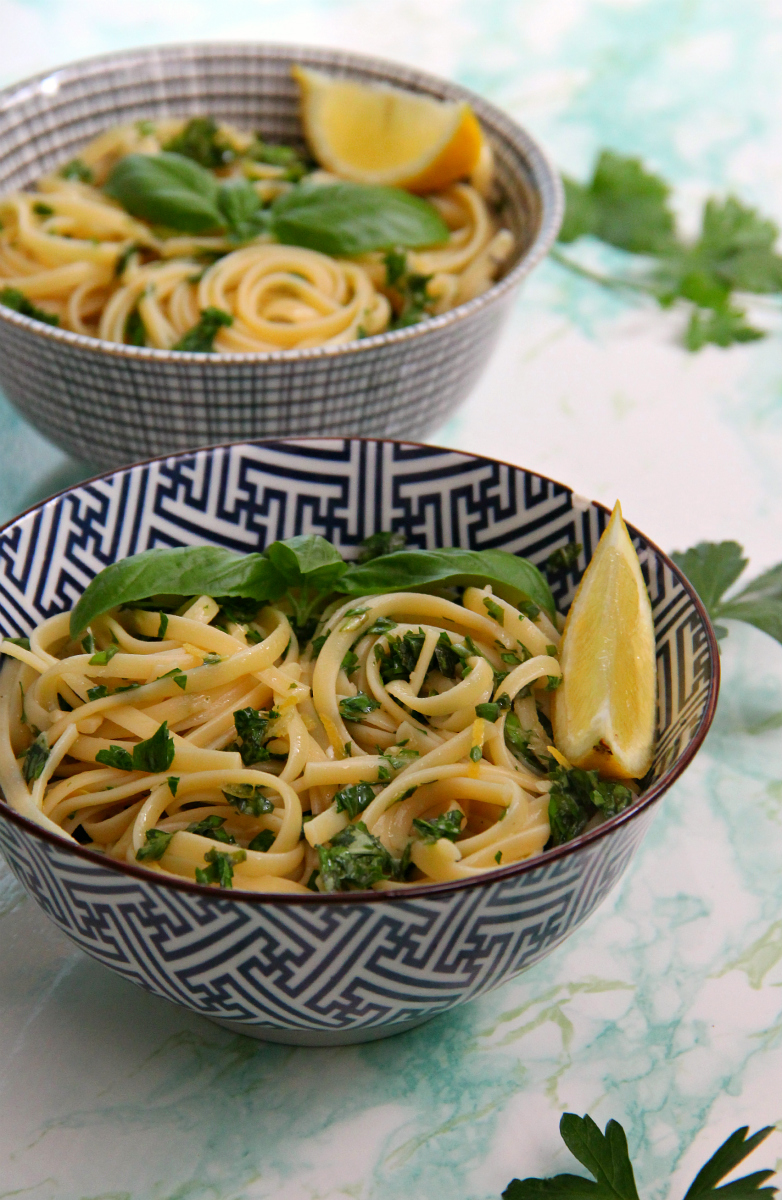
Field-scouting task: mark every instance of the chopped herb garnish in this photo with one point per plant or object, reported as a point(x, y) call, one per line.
point(88, 644)
point(200, 339)
point(492, 709)
point(400, 660)
point(248, 799)
point(35, 759)
point(23, 642)
point(117, 757)
point(399, 757)
point(563, 559)
point(212, 827)
point(498, 857)
point(350, 662)
point(211, 660)
point(355, 860)
point(221, 867)
point(529, 609)
point(449, 826)
point(163, 626)
point(476, 754)
point(135, 333)
point(202, 141)
point(157, 843)
point(173, 784)
point(13, 298)
point(78, 170)
point(494, 610)
point(318, 643)
point(353, 708)
point(43, 210)
point(251, 727)
point(156, 754)
point(576, 796)
point(103, 656)
point(381, 625)
point(262, 841)
point(355, 798)
point(97, 692)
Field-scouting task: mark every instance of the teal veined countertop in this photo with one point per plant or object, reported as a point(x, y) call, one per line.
point(664, 1010)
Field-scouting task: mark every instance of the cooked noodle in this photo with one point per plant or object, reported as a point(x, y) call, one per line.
point(417, 746)
point(79, 257)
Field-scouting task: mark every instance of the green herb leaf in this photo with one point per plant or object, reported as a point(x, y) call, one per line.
point(346, 219)
point(167, 189)
point(221, 867)
point(201, 141)
point(200, 339)
point(156, 845)
point(182, 571)
point(378, 544)
point(355, 860)
point(35, 759)
point(24, 642)
point(212, 827)
point(104, 657)
point(263, 841)
point(449, 826)
point(350, 663)
point(623, 204)
point(564, 558)
point(278, 156)
point(513, 578)
point(173, 784)
point(733, 1151)
point(163, 626)
point(242, 210)
point(98, 692)
point(13, 298)
point(78, 170)
point(156, 754)
point(355, 798)
point(116, 757)
point(353, 708)
point(711, 567)
point(722, 327)
point(251, 727)
point(248, 799)
point(493, 609)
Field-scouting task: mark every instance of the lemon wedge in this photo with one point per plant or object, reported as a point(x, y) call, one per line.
point(378, 134)
point(604, 709)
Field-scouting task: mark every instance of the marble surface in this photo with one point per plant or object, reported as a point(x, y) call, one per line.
point(665, 1010)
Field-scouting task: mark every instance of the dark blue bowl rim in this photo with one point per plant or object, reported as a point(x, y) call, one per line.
point(501, 874)
point(544, 174)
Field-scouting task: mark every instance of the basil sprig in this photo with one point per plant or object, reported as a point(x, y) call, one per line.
point(308, 571)
point(171, 190)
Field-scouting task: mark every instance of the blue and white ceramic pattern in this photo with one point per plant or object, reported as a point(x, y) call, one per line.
point(324, 970)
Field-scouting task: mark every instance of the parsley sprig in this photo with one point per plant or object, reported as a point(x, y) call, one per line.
point(713, 568)
point(627, 206)
point(606, 1157)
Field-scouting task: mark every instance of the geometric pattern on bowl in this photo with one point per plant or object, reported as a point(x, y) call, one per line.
point(346, 967)
point(112, 404)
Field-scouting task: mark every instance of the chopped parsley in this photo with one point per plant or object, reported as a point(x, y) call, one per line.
point(355, 798)
point(98, 692)
point(163, 626)
point(350, 662)
point(200, 339)
point(449, 826)
point(353, 708)
point(117, 757)
point(251, 727)
point(13, 298)
point(35, 759)
point(563, 559)
point(156, 845)
point(221, 867)
point(493, 609)
point(576, 796)
point(377, 545)
point(153, 755)
point(248, 799)
point(381, 625)
point(401, 657)
point(212, 827)
point(202, 141)
point(492, 709)
point(262, 841)
point(356, 860)
point(103, 657)
point(78, 170)
point(173, 784)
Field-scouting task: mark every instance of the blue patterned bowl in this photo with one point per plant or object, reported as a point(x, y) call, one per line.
point(112, 404)
point(329, 970)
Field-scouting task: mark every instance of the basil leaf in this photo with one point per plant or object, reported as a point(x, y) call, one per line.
point(513, 578)
point(352, 218)
point(180, 571)
point(307, 559)
point(244, 214)
point(167, 189)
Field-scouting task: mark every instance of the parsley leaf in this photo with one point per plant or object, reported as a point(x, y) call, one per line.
point(221, 867)
point(262, 841)
point(156, 754)
point(449, 825)
point(713, 567)
point(606, 1157)
point(355, 860)
point(355, 798)
point(78, 170)
point(576, 795)
point(353, 708)
point(116, 757)
point(623, 204)
point(35, 759)
point(251, 729)
point(248, 799)
point(13, 298)
point(201, 141)
point(200, 339)
point(103, 657)
point(157, 843)
point(212, 827)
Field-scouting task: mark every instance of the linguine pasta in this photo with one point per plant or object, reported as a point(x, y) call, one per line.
point(80, 260)
point(219, 750)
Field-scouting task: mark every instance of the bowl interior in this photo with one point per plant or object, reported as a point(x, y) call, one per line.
point(246, 495)
point(46, 121)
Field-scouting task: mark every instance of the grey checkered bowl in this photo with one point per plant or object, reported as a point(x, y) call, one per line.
point(349, 967)
point(114, 404)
